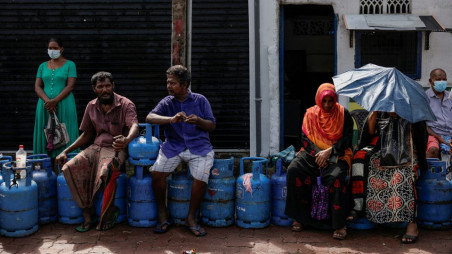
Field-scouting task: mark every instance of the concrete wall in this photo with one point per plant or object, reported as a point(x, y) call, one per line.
point(439, 55)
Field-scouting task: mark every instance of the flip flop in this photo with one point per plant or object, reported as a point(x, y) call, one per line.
point(413, 239)
point(84, 227)
point(162, 227)
point(197, 230)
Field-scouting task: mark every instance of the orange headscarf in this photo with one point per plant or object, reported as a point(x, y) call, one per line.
point(324, 128)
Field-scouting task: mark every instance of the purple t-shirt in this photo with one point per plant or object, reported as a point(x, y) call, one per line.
point(180, 136)
point(118, 120)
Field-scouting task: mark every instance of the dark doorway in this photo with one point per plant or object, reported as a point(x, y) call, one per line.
point(309, 60)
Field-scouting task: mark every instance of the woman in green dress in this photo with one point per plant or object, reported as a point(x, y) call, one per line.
point(54, 83)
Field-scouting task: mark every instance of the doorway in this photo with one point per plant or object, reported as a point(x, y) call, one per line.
point(308, 56)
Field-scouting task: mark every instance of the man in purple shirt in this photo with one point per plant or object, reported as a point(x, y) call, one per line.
point(439, 131)
point(187, 119)
point(111, 120)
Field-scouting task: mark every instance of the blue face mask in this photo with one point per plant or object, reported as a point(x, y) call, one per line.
point(440, 85)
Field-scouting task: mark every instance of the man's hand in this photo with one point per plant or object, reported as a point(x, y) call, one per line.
point(450, 146)
point(441, 140)
point(192, 119)
point(120, 143)
point(321, 158)
point(61, 158)
point(179, 117)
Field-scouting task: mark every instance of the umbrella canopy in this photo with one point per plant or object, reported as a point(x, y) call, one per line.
point(378, 88)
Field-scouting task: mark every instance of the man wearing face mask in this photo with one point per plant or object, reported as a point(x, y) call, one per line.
point(440, 130)
point(111, 121)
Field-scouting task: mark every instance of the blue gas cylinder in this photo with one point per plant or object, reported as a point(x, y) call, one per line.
point(217, 207)
point(142, 207)
point(120, 199)
point(19, 206)
point(279, 193)
point(179, 194)
point(4, 159)
point(361, 224)
point(68, 210)
point(253, 206)
point(435, 197)
point(143, 149)
point(46, 180)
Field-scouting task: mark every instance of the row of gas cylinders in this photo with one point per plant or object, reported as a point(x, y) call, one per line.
point(434, 203)
point(225, 202)
point(43, 197)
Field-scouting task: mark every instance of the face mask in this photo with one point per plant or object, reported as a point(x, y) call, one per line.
point(440, 86)
point(54, 53)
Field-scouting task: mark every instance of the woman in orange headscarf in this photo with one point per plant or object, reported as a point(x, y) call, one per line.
point(326, 153)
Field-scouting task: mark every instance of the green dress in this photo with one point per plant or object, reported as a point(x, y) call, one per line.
point(54, 82)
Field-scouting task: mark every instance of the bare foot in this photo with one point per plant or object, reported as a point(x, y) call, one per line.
point(340, 234)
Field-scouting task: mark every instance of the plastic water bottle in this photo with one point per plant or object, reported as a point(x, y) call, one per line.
point(21, 161)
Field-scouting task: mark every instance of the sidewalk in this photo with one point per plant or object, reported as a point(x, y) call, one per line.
point(60, 238)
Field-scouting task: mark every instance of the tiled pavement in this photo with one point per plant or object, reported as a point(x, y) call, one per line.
point(60, 238)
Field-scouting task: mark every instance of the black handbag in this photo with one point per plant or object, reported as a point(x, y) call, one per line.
point(395, 139)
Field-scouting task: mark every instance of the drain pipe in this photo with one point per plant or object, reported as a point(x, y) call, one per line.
point(255, 84)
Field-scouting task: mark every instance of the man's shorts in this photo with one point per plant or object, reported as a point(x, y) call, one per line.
point(199, 165)
point(433, 142)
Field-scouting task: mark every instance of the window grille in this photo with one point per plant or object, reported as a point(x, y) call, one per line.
point(384, 6)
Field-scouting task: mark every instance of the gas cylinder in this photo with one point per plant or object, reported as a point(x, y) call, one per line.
point(279, 193)
point(434, 197)
point(361, 224)
point(217, 207)
point(4, 159)
point(253, 205)
point(142, 207)
point(46, 180)
point(120, 199)
point(68, 210)
point(19, 206)
point(179, 194)
point(143, 149)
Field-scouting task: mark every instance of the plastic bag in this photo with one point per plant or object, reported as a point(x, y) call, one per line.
point(287, 155)
point(395, 138)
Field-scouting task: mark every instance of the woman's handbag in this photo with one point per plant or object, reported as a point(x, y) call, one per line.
point(319, 208)
point(395, 135)
point(56, 133)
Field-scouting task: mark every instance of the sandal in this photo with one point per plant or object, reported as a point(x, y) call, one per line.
point(110, 219)
point(197, 230)
point(162, 227)
point(408, 239)
point(296, 227)
point(340, 235)
point(86, 226)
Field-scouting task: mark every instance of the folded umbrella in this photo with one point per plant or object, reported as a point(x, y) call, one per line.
point(378, 88)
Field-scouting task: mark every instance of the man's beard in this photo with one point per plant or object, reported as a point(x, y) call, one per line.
point(106, 101)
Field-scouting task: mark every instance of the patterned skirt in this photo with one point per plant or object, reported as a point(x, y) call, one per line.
point(385, 194)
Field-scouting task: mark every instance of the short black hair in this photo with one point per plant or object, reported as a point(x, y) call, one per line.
point(181, 72)
point(57, 40)
point(101, 76)
point(432, 73)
